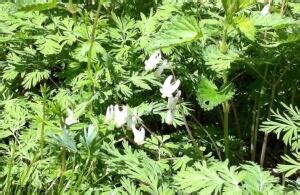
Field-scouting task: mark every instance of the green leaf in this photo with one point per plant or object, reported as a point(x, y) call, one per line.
point(66, 140)
point(257, 180)
point(36, 5)
point(217, 61)
point(141, 80)
point(129, 187)
point(33, 78)
point(209, 96)
point(246, 26)
point(49, 45)
point(180, 30)
point(273, 21)
point(292, 166)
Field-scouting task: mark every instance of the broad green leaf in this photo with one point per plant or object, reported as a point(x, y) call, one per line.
point(246, 26)
point(209, 96)
point(273, 21)
point(180, 30)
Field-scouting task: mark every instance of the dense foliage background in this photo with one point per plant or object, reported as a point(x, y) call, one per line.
point(149, 97)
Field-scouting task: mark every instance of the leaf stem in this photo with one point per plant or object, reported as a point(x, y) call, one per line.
point(226, 108)
point(62, 170)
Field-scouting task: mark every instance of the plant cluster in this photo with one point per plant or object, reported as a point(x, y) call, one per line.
point(149, 97)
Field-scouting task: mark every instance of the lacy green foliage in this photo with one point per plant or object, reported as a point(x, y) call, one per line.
point(88, 64)
point(286, 125)
point(292, 166)
point(209, 96)
point(217, 177)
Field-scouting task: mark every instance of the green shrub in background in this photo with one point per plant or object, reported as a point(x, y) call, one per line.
point(149, 97)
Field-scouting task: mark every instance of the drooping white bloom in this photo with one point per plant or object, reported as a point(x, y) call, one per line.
point(153, 60)
point(161, 68)
point(265, 10)
point(109, 113)
point(169, 88)
point(91, 128)
point(120, 116)
point(132, 121)
point(71, 118)
point(90, 133)
point(139, 135)
point(170, 117)
point(172, 101)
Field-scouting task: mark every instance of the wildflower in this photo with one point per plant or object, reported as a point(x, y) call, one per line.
point(172, 101)
point(109, 113)
point(132, 121)
point(71, 119)
point(91, 128)
point(139, 135)
point(266, 10)
point(120, 116)
point(153, 60)
point(170, 117)
point(169, 88)
point(90, 134)
point(161, 68)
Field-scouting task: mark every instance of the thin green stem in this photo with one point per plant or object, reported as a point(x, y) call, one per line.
point(42, 138)
point(256, 113)
point(62, 170)
point(10, 165)
point(226, 105)
point(192, 137)
point(283, 7)
point(92, 38)
point(226, 108)
point(209, 136)
point(274, 86)
point(265, 141)
point(253, 143)
point(236, 119)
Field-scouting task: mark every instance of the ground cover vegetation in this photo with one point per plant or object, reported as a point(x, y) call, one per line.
point(149, 97)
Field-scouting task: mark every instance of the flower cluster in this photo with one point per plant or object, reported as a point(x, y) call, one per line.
point(120, 116)
point(168, 87)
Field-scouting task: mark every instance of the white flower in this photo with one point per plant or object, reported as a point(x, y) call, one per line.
point(139, 135)
point(265, 10)
point(120, 116)
point(169, 117)
point(161, 68)
point(169, 88)
point(153, 60)
point(91, 127)
point(91, 133)
point(132, 121)
point(109, 113)
point(71, 119)
point(172, 101)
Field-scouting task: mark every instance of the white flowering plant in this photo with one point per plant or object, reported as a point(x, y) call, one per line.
point(149, 97)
